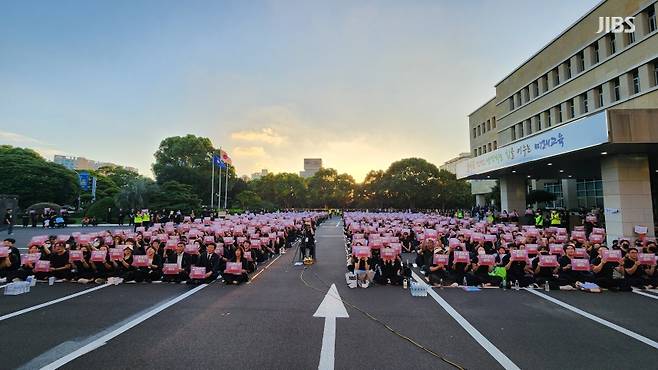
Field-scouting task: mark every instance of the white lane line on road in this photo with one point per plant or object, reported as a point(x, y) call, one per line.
point(499, 356)
point(120, 330)
point(645, 294)
point(601, 321)
point(46, 304)
point(263, 269)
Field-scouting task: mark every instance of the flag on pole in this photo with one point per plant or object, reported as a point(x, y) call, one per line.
point(225, 158)
point(217, 161)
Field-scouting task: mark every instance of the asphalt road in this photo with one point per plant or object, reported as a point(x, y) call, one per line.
point(269, 323)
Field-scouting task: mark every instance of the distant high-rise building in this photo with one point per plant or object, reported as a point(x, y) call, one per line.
point(258, 175)
point(81, 163)
point(311, 166)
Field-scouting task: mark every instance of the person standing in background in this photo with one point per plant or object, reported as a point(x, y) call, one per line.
point(9, 221)
point(121, 216)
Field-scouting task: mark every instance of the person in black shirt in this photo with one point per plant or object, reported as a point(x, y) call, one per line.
point(635, 273)
point(9, 266)
point(480, 273)
point(603, 272)
point(60, 267)
point(544, 274)
point(238, 278)
point(152, 272)
point(210, 260)
point(518, 270)
point(567, 276)
point(9, 221)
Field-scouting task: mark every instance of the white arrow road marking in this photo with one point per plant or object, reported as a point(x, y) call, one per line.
point(331, 307)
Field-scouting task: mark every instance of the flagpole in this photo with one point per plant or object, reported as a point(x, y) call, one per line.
point(212, 182)
point(219, 188)
point(226, 188)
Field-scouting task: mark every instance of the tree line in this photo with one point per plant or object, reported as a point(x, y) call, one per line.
point(182, 170)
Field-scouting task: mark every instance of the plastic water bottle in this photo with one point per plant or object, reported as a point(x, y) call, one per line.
point(547, 287)
point(441, 283)
point(516, 285)
point(465, 282)
point(405, 283)
point(504, 284)
point(51, 280)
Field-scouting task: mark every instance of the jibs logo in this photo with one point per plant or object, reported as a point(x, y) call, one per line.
point(616, 25)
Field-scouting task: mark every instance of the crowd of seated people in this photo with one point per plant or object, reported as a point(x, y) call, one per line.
point(193, 251)
point(451, 251)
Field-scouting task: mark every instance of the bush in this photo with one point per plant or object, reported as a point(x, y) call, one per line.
point(99, 208)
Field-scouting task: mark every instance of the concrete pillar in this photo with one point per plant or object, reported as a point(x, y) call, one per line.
point(551, 78)
point(588, 54)
point(646, 74)
point(604, 47)
point(524, 95)
point(480, 200)
point(565, 111)
point(608, 93)
point(543, 84)
point(641, 25)
point(625, 85)
point(544, 118)
point(578, 105)
point(569, 193)
point(592, 100)
point(534, 122)
point(575, 65)
point(562, 71)
point(619, 42)
point(554, 116)
point(626, 194)
point(512, 193)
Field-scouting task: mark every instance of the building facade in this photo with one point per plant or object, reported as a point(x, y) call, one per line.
point(311, 166)
point(479, 188)
point(81, 163)
point(579, 119)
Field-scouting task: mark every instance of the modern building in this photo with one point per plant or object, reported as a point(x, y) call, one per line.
point(258, 175)
point(311, 166)
point(479, 188)
point(579, 118)
point(81, 163)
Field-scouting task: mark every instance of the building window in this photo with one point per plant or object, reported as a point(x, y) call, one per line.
point(556, 77)
point(651, 15)
point(572, 108)
point(589, 193)
point(583, 98)
point(611, 40)
point(581, 62)
point(480, 151)
point(559, 113)
point(630, 38)
point(655, 73)
point(615, 89)
point(513, 132)
point(535, 88)
point(488, 125)
point(596, 52)
point(538, 126)
point(474, 133)
point(528, 124)
point(511, 103)
point(520, 130)
point(489, 147)
point(479, 130)
point(567, 68)
point(548, 119)
point(495, 146)
point(636, 81)
point(493, 122)
point(556, 189)
point(475, 152)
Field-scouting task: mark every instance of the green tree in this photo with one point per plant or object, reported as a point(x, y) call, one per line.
point(249, 200)
point(187, 160)
point(118, 175)
point(99, 208)
point(25, 173)
point(174, 195)
point(135, 194)
point(329, 189)
point(413, 183)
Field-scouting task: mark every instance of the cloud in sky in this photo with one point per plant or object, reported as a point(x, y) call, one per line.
point(264, 135)
point(14, 139)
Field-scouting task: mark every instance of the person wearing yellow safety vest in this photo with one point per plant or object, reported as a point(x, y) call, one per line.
point(460, 214)
point(555, 218)
point(146, 219)
point(138, 220)
point(539, 219)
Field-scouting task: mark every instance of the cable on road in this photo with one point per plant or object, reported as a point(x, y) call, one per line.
point(385, 325)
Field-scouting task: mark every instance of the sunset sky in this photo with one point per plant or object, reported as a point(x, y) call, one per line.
point(359, 84)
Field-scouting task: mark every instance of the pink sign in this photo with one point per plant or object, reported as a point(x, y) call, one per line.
point(596, 238)
point(4, 251)
point(42, 266)
point(486, 259)
point(454, 243)
point(116, 254)
point(440, 259)
point(611, 255)
point(233, 268)
point(532, 249)
point(388, 254)
point(549, 260)
point(74, 256)
point(197, 272)
point(461, 257)
point(556, 249)
point(580, 264)
point(361, 252)
point(191, 249)
point(170, 269)
point(248, 256)
point(519, 255)
point(647, 259)
point(98, 256)
point(580, 252)
point(140, 260)
point(228, 240)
